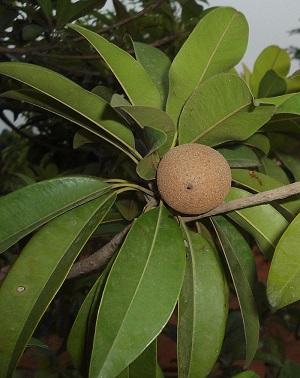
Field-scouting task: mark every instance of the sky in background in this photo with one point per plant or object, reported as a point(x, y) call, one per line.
point(270, 22)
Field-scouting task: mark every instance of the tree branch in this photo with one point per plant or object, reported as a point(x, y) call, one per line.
point(252, 200)
point(143, 12)
point(100, 258)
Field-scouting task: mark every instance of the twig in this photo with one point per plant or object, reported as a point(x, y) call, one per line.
point(99, 258)
point(30, 137)
point(252, 200)
point(144, 11)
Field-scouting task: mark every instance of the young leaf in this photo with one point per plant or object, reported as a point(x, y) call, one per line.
point(203, 306)
point(39, 272)
point(135, 81)
point(220, 110)
point(28, 208)
point(271, 58)
point(256, 221)
point(242, 268)
point(147, 275)
point(212, 48)
point(283, 286)
point(157, 64)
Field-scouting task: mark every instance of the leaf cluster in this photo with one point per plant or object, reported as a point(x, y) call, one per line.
point(165, 261)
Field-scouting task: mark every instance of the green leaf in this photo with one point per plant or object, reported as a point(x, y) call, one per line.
point(203, 307)
point(135, 81)
point(272, 85)
point(143, 286)
point(31, 31)
point(144, 366)
point(212, 48)
point(271, 58)
point(45, 102)
point(67, 11)
point(38, 274)
point(147, 167)
point(60, 95)
point(242, 268)
point(239, 156)
point(46, 5)
point(283, 285)
point(156, 64)
point(270, 168)
point(156, 119)
point(79, 343)
point(28, 208)
point(256, 221)
point(259, 141)
point(289, 369)
point(247, 374)
point(260, 182)
point(221, 110)
point(291, 163)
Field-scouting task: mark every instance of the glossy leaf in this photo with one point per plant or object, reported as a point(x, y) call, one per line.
point(271, 85)
point(212, 48)
point(122, 139)
point(242, 268)
point(221, 110)
point(143, 286)
point(66, 93)
point(256, 221)
point(157, 64)
point(46, 5)
point(203, 306)
point(260, 182)
point(135, 81)
point(271, 58)
point(39, 272)
point(26, 209)
point(239, 156)
point(283, 286)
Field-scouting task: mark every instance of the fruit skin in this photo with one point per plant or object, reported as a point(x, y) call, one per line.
point(193, 178)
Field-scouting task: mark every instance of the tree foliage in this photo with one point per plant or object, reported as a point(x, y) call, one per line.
point(123, 103)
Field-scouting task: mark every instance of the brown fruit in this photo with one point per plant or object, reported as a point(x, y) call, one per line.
point(193, 178)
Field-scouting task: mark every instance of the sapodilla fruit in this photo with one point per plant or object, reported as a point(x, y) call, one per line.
point(193, 178)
